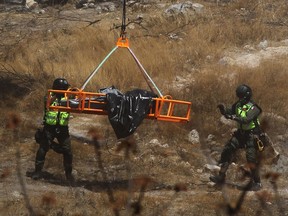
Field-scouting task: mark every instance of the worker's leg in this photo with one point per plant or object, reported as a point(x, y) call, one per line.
point(254, 163)
point(65, 143)
point(226, 158)
point(41, 154)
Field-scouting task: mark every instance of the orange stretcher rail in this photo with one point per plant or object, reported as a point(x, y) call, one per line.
point(164, 109)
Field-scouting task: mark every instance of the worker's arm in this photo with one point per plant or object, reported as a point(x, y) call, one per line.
point(227, 112)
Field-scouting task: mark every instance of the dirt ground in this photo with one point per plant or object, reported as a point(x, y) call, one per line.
point(156, 180)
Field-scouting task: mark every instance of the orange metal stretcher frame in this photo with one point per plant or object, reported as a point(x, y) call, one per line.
point(164, 109)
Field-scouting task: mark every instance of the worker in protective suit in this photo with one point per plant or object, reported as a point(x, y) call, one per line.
point(245, 112)
point(55, 127)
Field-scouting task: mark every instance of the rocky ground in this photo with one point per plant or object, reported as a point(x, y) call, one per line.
point(160, 178)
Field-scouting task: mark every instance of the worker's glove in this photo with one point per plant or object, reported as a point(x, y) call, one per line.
point(232, 117)
point(221, 107)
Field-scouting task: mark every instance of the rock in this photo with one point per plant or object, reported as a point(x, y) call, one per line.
point(211, 168)
point(17, 195)
point(193, 137)
point(183, 8)
point(198, 7)
point(263, 45)
point(210, 138)
point(31, 4)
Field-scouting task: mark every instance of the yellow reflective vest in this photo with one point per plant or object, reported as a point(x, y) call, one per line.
point(56, 117)
point(241, 112)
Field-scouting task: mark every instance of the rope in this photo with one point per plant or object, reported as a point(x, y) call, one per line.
point(145, 74)
point(143, 71)
point(96, 70)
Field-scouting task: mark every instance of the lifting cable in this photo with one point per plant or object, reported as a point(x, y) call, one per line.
point(123, 42)
point(123, 26)
point(145, 74)
point(85, 101)
point(96, 70)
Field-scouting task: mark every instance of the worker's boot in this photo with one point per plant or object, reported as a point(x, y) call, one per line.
point(220, 178)
point(68, 174)
point(255, 186)
point(70, 178)
point(37, 174)
point(256, 183)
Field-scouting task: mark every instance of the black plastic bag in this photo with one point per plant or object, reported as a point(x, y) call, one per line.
point(108, 90)
point(126, 112)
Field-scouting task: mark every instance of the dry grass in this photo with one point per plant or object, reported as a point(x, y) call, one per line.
point(75, 52)
point(218, 84)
